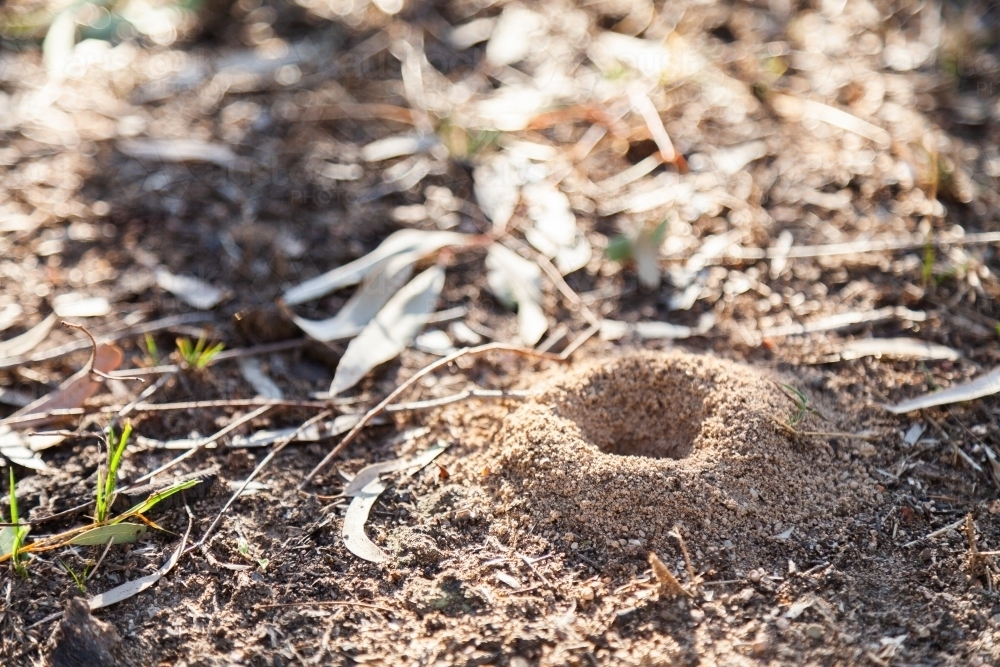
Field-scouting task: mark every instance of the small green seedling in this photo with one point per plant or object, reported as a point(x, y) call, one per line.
point(198, 355)
point(643, 249)
point(801, 403)
point(12, 536)
point(927, 271)
point(107, 478)
point(152, 350)
point(79, 579)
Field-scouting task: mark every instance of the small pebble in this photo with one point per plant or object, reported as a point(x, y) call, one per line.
point(782, 623)
point(697, 615)
point(518, 661)
point(755, 576)
point(814, 630)
point(760, 644)
point(587, 594)
point(854, 485)
point(569, 537)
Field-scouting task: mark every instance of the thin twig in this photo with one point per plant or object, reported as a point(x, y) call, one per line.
point(430, 368)
point(574, 300)
point(93, 356)
point(204, 443)
point(432, 403)
point(70, 348)
point(326, 603)
point(939, 531)
point(260, 466)
point(101, 559)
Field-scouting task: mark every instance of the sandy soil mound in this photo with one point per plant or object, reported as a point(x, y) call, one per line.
point(620, 451)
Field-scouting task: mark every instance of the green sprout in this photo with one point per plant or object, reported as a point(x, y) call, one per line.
point(927, 272)
point(152, 350)
point(107, 479)
point(79, 579)
point(801, 404)
point(198, 355)
point(12, 536)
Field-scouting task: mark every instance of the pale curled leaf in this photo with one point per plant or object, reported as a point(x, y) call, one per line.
point(514, 34)
point(395, 326)
point(387, 278)
point(904, 348)
point(80, 305)
point(615, 330)
point(192, 291)
point(371, 472)
point(397, 146)
point(179, 150)
point(264, 386)
point(353, 532)
point(515, 279)
point(133, 588)
point(9, 316)
point(29, 340)
point(341, 424)
point(985, 385)
point(497, 186)
point(555, 233)
point(405, 240)
point(121, 533)
point(57, 48)
point(14, 447)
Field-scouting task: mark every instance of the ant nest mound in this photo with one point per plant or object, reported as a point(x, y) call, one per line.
point(614, 454)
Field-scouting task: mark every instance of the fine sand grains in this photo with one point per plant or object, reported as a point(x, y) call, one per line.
point(619, 451)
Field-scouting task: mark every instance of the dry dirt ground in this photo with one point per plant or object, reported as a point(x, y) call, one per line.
point(835, 179)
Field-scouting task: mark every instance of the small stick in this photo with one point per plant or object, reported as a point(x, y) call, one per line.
point(939, 531)
point(70, 348)
point(325, 603)
point(676, 533)
point(553, 273)
point(430, 368)
point(432, 403)
point(101, 559)
point(93, 356)
point(531, 566)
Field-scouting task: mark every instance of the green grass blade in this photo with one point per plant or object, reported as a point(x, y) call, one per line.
point(155, 498)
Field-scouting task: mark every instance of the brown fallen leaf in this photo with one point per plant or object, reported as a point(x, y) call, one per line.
point(72, 393)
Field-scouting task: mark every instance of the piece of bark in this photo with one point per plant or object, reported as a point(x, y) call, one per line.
point(81, 640)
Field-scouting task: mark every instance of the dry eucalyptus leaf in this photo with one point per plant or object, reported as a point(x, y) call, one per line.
point(353, 531)
point(29, 340)
point(14, 447)
point(132, 588)
point(555, 233)
point(192, 291)
point(121, 533)
point(420, 242)
point(80, 305)
point(515, 280)
point(371, 472)
point(380, 284)
point(74, 391)
point(9, 316)
point(395, 327)
point(264, 386)
point(179, 150)
point(497, 186)
point(985, 385)
point(900, 348)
